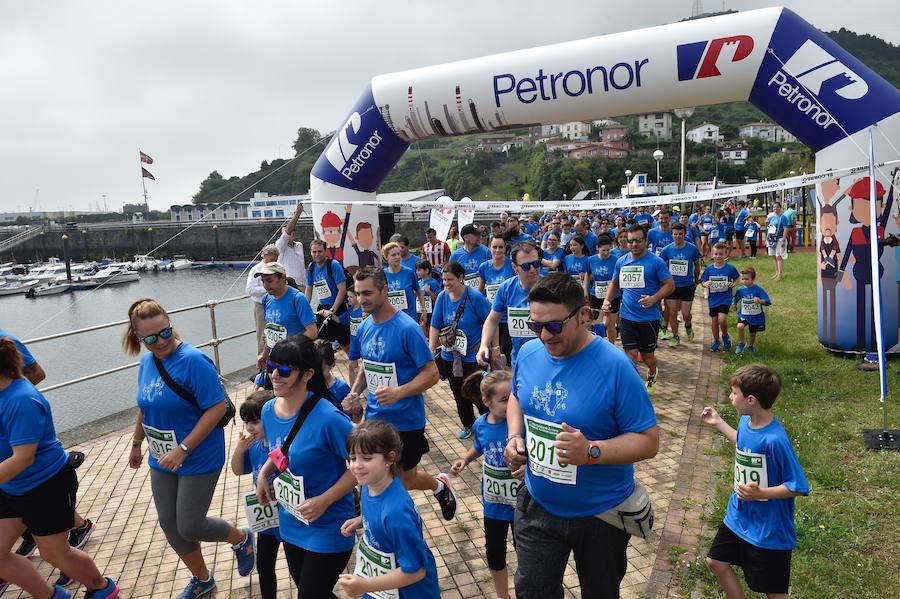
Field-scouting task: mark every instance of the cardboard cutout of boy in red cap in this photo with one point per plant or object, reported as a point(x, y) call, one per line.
point(334, 233)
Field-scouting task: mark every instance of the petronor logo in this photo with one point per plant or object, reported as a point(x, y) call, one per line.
point(812, 67)
point(340, 153)
point(700, 60)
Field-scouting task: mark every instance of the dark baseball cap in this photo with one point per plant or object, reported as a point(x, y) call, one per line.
point(470, 229)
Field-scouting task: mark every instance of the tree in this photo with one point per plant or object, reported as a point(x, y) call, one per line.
point(775, 166)
point(306, 137)
point(209, 186)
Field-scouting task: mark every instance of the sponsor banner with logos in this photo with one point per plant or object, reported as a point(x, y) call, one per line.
point(442, 217)
point(466, 214)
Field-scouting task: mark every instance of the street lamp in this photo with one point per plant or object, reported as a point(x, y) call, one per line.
point(599, 185)
point(627, 182)
point(657, 156)
point(602, 191)
point(682, 113)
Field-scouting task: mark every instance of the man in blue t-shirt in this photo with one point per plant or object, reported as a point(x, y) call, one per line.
point(776, 230)
point(582, 230)
point(397, 368)
point(645, 281)
point(326, 280)
point(661, 236)
point(740, 226)
point(285, 310)
point(471, 254)
point(578, 436)
point(683, 260)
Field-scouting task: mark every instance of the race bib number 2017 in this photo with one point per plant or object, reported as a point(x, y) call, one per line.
point(380, 374)
point(371, 563)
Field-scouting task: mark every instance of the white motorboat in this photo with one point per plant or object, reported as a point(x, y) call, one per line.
point(143, 262)
point(48, 289)
point(16, 287)
point(182, 263)
point(113, 275)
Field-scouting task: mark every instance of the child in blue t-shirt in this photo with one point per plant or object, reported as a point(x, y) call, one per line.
point(250, 453)
point(752, 235)
point(431, 286)
point(392, 554)
point(750, 299)
point(338, 386)
point(499, 486)
point(758, 532)
point(719, 278)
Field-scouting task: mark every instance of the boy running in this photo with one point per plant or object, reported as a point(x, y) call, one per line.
point(750, 299)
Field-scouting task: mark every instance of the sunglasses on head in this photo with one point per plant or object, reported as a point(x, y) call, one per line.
point(529, 265)
point(554, 327)
point(283, 371)
point(164, 334)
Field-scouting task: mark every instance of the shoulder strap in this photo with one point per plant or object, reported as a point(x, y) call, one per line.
point(462, 306)
point(305, 409)
point(178, 389)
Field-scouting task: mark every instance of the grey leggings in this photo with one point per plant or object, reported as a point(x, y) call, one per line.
point(182, 503)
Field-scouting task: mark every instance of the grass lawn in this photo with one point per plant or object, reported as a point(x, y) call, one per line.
point(848, 528)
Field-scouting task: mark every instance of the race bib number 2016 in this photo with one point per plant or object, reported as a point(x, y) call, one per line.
point(260, 517)
point(500, 486)
point(159, 441)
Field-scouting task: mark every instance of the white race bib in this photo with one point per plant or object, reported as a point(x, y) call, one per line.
point(461, 344)
point(260, 517)
point(542, 459)
point(323, 291)
point(632, 277)
point(713, 234)
point(354, 325)
point(517, 319)
point(290, 494)
point(750, 468)
point(749, 307)
point(380, 374)
point(600, 289)
point(491, 291)
point(370, 563)
point(678, 268)
point(471, 280)
point(750, 234)
point(274, 333)
point(428, 309)
point(398, 299)
point(159, 441)
point(500, 486)
point(772, 230)
point(717, 284)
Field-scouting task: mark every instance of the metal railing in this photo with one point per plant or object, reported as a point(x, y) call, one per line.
point(215, 342)
point(18, 238)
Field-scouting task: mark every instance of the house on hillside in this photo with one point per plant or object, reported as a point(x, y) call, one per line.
point(226, 211)
point(575, 130)
point(498, 142)
point(601, 149)
point(705, 133)
point(613, 131)
point(766, 132)
point(733, 152)
point(655, 124)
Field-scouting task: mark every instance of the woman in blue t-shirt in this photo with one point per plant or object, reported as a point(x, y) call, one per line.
point(37, 487)
point(312, 484)
point(187, 449)
point(457, 351)
point(403, 286)
point(577, 262)
point(553, 255)
point(496, 270)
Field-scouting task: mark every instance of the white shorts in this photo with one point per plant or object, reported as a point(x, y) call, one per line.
point(779, 249)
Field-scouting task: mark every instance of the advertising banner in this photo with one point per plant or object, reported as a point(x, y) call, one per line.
point(350, 231)
point(442, 217)
point(466, 212)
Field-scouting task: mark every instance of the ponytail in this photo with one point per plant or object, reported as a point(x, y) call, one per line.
point(10, 359)
point(479, 385)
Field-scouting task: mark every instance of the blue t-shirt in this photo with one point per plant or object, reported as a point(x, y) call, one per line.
point(470, 261)
point(575, 265)
point(405, 281)
point(556, 390)
point(740, 222)
point(748, 293)
point(717, 233)
point(729, 224)
point(707, 223)
point(599, 329)
point(26, 419)
point(659, 239)
point(644, 217)
point(473, 316)
point(512, 295)
point(410, 262)
point(494, 276)
point(768, 524)
point(723, 297)
point(430, 284)
point(601, 270)
point(489, 439)
point(339, 391)
point(591, 240)
point(350, 316)
point(392, 525)
point(27, 358)
point(557, 254)
point(318, 454)
point(618, 252)
point(398, 341)
point(336, 277)
point(775, 226)
point(165, 410)
point(675, 258)
point(531, 228)
point(752, 230)
point(654, 273)
point(254, 459)
point(291, 310)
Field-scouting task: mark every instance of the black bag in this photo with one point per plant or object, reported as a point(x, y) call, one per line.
point(447, 334)
point(188, 397)
point(338, 310)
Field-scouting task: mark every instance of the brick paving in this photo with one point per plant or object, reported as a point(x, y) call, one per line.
point(129, 545)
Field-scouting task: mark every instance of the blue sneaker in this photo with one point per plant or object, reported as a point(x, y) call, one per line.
point(751, 349)
point(198, 588)
point(245, 553)
point(464, 433)
point(726, 342)
point(108, 592)
point(714, 347)
point(60, 593)
point(739, 348)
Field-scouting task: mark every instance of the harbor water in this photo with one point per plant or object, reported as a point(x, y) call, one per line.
point(75, 356)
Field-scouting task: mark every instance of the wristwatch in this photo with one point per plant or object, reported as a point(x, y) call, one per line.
point(184, 448)
point(593, 452)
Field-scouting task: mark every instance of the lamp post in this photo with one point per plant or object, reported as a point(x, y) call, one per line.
point(627, 182)
point(65, 240)
point(216, 232)
point(682, 113)
point(602, 191)
point(599, 187)
point(657, 156)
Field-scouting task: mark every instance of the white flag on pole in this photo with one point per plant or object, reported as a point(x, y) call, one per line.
point(466, 212)
point(442, 217)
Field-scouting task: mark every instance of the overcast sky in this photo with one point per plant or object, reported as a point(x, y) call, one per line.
point(224, 84)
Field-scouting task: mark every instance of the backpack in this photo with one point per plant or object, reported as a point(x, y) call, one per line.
point(328, 273)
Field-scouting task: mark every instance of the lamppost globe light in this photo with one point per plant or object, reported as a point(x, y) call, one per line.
point(628, 173)
point(658, 155)
point(684, 113)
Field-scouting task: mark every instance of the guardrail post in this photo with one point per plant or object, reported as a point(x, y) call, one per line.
point(211, 304)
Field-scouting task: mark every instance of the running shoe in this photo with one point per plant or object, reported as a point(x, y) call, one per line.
point(714, 346)
point(739, 348)
point(64, 580)
point(198, 588)
point(245, 554)
point(689, 331)
point(751, 349)
point(78, 537)
point(726, 342)
point(107, 592)
point(663, 333)
point(60, 593)
point(651, 384)
point(464, 433)
point(446, 498)
point(675, 341)
point(26, 549)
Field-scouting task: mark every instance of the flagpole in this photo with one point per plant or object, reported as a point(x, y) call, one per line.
point(143, 183)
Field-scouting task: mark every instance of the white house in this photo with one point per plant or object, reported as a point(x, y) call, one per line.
point(705, 133)
point(191, 212)
point(655, 124)
point(734, 152)
point(766, 132)
point(575, 130)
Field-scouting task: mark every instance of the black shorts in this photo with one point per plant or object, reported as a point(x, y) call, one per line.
point(714, 311)
point(684, 294)
point(333, 331)
point(765, 570)
point(639, 335)
point(49, 508)
point(729, 236)
point(754, 328)
point(614, 306)
point(415, 445)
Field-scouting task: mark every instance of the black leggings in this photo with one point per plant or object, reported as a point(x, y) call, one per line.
point(463, 406)
point(506, 343)
point(315, 574)
point(752, 241)
point(495, 542)
point(266, 554)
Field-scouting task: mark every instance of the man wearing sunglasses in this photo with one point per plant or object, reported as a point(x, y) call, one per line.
point(509, 310)
point(579, 416)
point(645, 281)
point(285, 309)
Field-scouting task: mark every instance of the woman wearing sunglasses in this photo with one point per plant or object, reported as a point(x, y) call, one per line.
point(314, 487)
point(459, 314)
point(553, 255)
point(187, 449)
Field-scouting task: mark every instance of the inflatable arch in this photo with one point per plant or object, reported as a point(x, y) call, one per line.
point(790, 70)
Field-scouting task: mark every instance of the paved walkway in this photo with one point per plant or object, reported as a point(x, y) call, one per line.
point(129, 545)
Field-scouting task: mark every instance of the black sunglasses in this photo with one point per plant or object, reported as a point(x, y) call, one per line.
point(283, 371)
point(529, 265)
point(554, 327)
point(164, 334)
